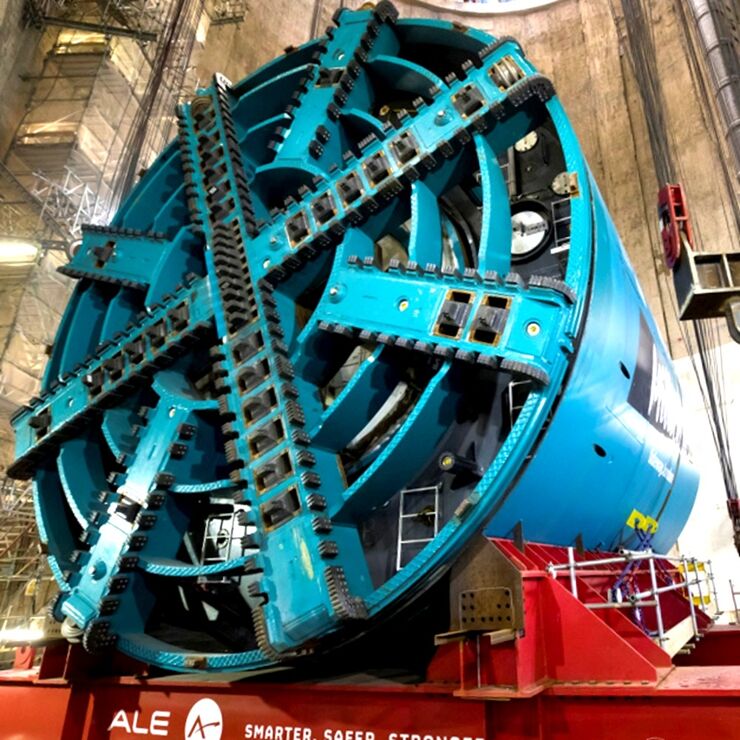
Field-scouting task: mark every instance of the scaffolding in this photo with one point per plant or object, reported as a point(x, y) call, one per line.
point(688, 576)
point(26, 583)
point(22, 214)
point(101, 109)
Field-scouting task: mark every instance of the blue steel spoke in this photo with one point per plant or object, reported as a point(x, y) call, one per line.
point(426, 149)
point(495, 242)
point(341, 81)
point(358, 401)
point(117, 258)
point(412, 311)
point(406, 452)
point(357, 119)
point(116, 428)
point(156, 340)
point(425, 244)
point(49, 504)
point(108, 568)
point(171, 568)
point(258, 140)
point(285, 499)
point(82, 484)
point(403, 75)
point(147, 201)
point(267, 101)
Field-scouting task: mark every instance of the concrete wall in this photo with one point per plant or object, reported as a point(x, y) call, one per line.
point(236, 50)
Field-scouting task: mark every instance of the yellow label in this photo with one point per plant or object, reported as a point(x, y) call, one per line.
point(638, 520)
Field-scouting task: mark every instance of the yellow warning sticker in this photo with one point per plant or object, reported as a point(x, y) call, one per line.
point(638, 520)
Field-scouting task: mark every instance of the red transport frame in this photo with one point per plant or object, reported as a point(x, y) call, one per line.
point(569, 671)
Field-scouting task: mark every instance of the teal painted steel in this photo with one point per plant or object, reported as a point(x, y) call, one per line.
point(367, 305)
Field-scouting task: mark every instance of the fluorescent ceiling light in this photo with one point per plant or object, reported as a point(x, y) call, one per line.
point(15, 252)
point(22, 635)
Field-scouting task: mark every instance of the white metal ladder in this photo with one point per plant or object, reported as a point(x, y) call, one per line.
point(404, 515)
point(561, 217)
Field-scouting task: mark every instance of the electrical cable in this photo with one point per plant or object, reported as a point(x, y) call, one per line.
point(168, 69)
point(703, 338)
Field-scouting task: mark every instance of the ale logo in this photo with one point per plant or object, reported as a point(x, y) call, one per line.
point(204, 721)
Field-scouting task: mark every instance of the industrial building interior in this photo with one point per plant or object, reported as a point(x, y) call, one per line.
point(88, 98)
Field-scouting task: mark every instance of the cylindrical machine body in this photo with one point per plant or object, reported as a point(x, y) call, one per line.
point(368, 305)
point(615, 448)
